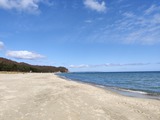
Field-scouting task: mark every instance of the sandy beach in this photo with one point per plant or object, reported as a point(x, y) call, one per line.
point(36, 96)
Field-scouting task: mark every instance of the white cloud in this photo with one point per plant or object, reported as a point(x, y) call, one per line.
point(24, 55)
point(79, 66)
point(1, 45)
point(108, 65)
point(95, 5)
point(21, 5)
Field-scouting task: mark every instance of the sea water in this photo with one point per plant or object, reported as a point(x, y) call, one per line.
point(135, 82)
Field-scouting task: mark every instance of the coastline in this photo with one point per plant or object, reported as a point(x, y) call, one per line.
point(47, 96)
point(117, 90)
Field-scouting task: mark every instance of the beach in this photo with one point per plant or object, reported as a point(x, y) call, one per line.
point(45, 96)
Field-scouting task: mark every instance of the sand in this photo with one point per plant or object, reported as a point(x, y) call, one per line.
point(36, 96)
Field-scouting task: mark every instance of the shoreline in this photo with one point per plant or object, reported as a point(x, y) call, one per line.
point(117, 90)
point(45, 96)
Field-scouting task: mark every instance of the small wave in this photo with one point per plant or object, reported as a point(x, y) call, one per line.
point(101, 86)
point(133, 91)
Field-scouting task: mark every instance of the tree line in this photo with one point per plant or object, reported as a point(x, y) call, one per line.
point(9, 65)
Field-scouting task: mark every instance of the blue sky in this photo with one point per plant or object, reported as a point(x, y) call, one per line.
point(82, 35)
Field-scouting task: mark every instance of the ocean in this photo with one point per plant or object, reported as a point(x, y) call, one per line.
point(127, 83)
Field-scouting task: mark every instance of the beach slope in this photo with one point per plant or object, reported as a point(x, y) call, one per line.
point(36, 96)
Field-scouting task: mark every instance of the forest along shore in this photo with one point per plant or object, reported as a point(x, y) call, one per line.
point(39, 96)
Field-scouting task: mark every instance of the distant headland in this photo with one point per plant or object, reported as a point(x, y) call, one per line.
point(13, 66)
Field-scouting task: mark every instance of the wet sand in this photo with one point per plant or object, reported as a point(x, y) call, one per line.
point(36, 96)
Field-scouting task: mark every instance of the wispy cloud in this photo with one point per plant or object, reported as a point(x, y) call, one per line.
point(22, 5)
point(119, 1)
point(24, 55)
point(128, 64)
point(144, 29)
point(95, 5)
point(152, 9)
point(131, 28)
point(1, 45)
point(129, 14)
point(107, 65)
point(88, 21)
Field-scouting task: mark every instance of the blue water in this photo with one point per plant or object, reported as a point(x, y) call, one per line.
point(142, 82)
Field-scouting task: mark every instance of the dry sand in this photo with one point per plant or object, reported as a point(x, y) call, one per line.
point(35, 96)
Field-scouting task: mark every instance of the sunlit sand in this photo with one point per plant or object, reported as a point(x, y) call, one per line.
point(39, 96)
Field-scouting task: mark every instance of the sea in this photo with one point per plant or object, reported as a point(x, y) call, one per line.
point(133, 84)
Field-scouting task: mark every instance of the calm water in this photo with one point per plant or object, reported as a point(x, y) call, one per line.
point(142, 82)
